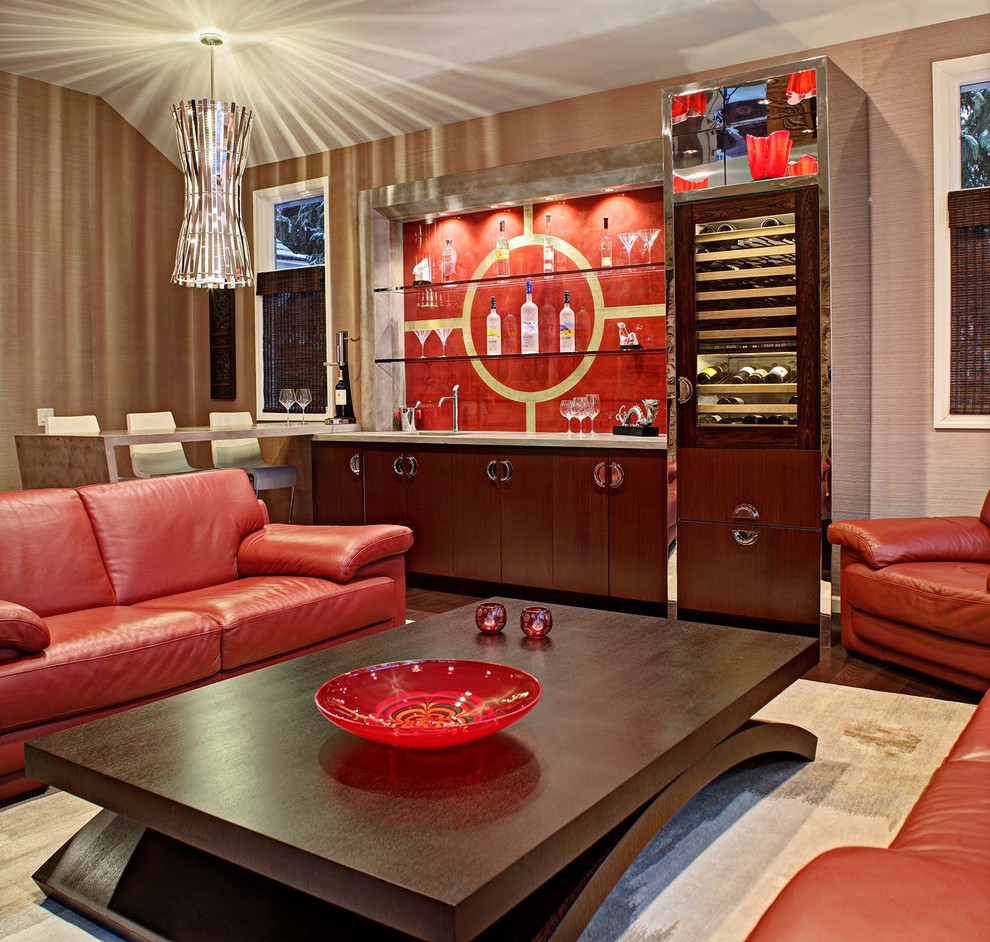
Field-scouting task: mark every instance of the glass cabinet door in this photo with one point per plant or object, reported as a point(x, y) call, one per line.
point(746, 289)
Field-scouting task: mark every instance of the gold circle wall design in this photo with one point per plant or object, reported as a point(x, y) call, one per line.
point(580, 371)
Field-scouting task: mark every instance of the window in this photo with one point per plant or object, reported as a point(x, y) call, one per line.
point(292, 308)
point(961, 106)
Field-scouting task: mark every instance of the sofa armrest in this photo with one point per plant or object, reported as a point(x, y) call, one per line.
point(337, 553)
point(882, 542)
point(21, 631)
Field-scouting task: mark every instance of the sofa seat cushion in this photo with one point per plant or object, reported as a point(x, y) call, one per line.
point(107, 656)
point(265, 616)
point(949, 598)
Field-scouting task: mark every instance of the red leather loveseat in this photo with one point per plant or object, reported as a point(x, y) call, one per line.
point(114, 594)
point(916, 592)
point(931, 885)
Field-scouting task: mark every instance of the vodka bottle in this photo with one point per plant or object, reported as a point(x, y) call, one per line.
point(529, 323)
point(548, 248)
point(493, 332)
point(501, 251)
point(567, 325)
point(448, 262)
point(606, 247)
point(510, 333)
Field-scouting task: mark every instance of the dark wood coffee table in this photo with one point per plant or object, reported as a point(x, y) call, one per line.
point(237, 811)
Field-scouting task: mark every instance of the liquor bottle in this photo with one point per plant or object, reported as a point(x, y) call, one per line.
point(548, 326)
point(501, 251)
point(510, 333)
point(548, 248)
point(529, 324)
point(759, 375)
point(567, 325)
point(606, 247)
point(343, 405)
point(493, 332)
point(448, 262)
point(582, 329)
point(713, 374)
point(742, 375)
point(776, 374)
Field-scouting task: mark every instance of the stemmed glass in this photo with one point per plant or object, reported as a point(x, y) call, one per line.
point(287, 397)
point(422, 333)
point(304, 397)
point(443, 333)
point(567, 411)
point(594, 408)
point(581, 412)
point(628, 239)
point(649, 236)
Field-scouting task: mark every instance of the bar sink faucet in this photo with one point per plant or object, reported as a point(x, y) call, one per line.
point(455, 399)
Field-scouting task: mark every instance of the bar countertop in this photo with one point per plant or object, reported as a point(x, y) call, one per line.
point(499, 439)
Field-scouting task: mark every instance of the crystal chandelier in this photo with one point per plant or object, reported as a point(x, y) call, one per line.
point(213, 138)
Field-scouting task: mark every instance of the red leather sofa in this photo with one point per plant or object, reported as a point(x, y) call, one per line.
point(115, 594)
point(931, 885)
point(916, 592)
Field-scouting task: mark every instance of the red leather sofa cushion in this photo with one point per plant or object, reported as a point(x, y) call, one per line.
point(50, 562)
point(266, 616)
point(882, 542)
point(281, 549)
point(21, 630)
point(166, 535)
point(948, 598)
point(106, 656)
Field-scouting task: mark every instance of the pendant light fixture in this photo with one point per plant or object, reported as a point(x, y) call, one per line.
point(213, 138)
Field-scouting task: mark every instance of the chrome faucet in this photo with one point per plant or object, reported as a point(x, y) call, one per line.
point(455, 398)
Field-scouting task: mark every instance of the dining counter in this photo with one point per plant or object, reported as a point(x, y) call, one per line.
point(500, 439)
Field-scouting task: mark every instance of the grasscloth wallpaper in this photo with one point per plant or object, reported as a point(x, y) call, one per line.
point(89, 322)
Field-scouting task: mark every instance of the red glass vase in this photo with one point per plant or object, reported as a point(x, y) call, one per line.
point(806, 164)
point(768, 155)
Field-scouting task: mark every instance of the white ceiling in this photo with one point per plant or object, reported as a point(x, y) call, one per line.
point(320, 75)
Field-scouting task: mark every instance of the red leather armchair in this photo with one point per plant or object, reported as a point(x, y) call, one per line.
point(916, 592)
point(115, 594)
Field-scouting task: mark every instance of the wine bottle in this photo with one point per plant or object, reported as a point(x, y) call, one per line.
point(730, 400)
point(529, 323)
point(343, 405)
point(709, 418)
point(548, 248)
point(751, 419)
point(606, 246)
point(566, 325)
point(448, 262)
point(713, 374)
point(742, 375)
point(776, 374)
point(493, 332)
point(501, 251)
point(758, 375)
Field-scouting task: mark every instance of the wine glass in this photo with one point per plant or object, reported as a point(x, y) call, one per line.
point(628, 239)
point(581, 412)
point(287, 397)
point(649, 236)
point(443, 333)
point(594, 408)
point(567, 411)
point(304, 397)
point(422, 333)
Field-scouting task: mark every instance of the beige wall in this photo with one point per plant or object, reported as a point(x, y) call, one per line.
point(88, 319)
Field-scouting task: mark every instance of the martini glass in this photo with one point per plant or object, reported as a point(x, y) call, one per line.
point(421, 334)
point(649, 236)
point(628, 239)
point(443, 333)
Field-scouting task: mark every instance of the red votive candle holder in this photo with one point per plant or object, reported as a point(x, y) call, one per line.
point(490, 617)
point(536, 621)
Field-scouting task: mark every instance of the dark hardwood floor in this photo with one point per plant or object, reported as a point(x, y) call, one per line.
point(837, 666)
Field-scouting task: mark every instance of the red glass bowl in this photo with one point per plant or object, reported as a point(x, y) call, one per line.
point(428, 704)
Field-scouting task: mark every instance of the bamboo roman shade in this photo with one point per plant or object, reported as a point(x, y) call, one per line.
point(294, 334)
point(969, 359)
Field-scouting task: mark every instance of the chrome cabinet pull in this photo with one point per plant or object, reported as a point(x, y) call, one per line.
point(745, 511)
point(397, 466)
point(685, 389)
point(617, 475)
point(745, 537)
point(599, 474)
point(508, 472)
point(490, 471)
point(413, 466)
point(355, 464)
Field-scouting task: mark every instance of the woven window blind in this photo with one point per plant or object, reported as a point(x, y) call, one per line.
point(294, 334)
point(969, 358)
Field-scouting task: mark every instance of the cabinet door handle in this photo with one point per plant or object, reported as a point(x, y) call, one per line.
point(397, 467)
point(599, 474)
point(685, 389)
point(413, 467)
point(355, 464)
point(745, 537)
point(617, 475)
point(490, 471)
point(745, 511)
point(508, 472)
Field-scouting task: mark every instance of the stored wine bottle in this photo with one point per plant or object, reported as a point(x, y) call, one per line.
point(776, 374)
point(730, 400)
point(493, 332)
point(742, 375)
point(759, 375)
point(713, 374)
point(529, 323)
point(548, 248)
point(709, 418)
point(751, 419)
point(606, 246)
point(343, 405)
point(566, 323)
point(448, 262)
point(501, 251)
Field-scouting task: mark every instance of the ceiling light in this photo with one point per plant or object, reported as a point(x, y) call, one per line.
point(213, 138)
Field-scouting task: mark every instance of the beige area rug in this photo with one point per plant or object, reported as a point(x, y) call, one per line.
point(713, 869)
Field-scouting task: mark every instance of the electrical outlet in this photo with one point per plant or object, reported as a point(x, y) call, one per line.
point(43, 414)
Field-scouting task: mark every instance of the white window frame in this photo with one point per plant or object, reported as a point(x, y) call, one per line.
point(948, 77)
point(264, 260)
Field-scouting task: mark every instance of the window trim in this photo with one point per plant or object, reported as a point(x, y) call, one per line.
point(264, 259)
point(948, 77)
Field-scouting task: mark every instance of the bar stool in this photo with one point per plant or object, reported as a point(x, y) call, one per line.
point(246, 453)
point(152, 460)
point(70, 424)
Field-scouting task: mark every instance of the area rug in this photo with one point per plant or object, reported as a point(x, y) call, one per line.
point(708, 875)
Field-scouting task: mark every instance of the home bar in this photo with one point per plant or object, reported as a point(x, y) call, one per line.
point(458, 485)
